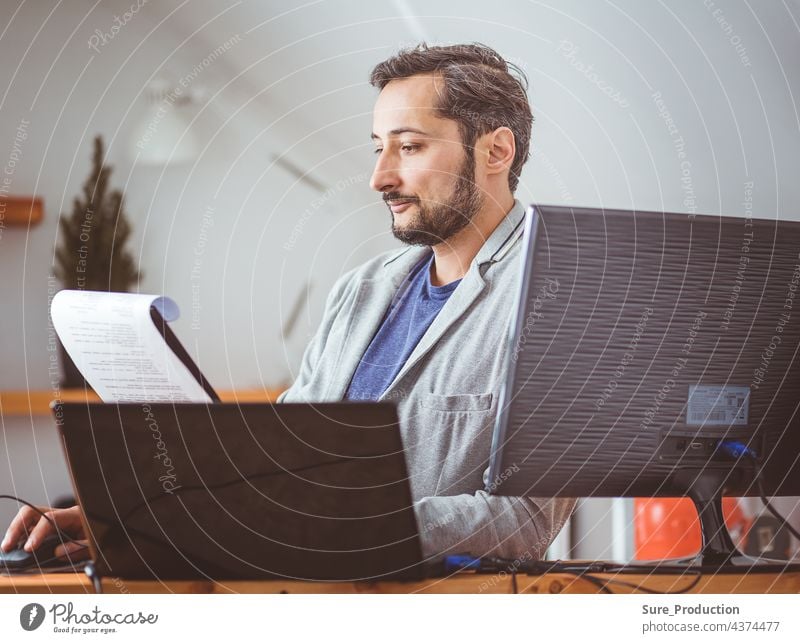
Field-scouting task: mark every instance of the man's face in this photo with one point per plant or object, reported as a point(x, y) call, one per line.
point(426, 176)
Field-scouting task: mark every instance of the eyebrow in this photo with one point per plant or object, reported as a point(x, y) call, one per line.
point(400, 130)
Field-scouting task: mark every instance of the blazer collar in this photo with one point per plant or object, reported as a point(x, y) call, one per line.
point(503, 237)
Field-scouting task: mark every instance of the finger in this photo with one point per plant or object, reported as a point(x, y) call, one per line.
point(69, 520)
point(42, 529)
point(73, 551)
point(23, 522)
point(26, 518)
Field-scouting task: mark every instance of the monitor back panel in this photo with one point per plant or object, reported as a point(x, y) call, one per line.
point(640, 338)
point(247, 491)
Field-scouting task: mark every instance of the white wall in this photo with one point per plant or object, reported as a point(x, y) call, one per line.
point(257, 232)
point(738, 122)
point(68, 96)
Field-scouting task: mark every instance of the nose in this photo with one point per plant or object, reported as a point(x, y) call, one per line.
point(385, 177)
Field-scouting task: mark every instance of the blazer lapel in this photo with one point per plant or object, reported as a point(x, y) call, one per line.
point(365, 316)
point(493, 250)
point(374, 296)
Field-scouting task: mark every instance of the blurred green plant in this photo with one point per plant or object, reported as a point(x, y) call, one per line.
point(91, 254)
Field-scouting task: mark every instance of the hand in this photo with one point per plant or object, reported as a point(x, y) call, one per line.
point(30, 524)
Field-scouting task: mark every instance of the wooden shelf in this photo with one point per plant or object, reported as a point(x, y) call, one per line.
point(21, 211)
point(38, 402)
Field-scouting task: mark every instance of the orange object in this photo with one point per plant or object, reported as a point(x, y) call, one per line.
point(670, 527)
point(21, 211)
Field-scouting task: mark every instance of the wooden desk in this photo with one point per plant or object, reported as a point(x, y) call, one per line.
point(463, 583)
point(29, 403)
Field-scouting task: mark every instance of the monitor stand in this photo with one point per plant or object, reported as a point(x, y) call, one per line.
point(718, 554)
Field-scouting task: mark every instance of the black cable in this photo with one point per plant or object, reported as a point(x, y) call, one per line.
point(736, 450)
point(507, 239)
point(760, 482)
point(770, 508)
point(603, 583)
point(594, 580)
point(588, 572)
point(544, 567)
point(779, 517)
point(63, 535)
point(647, 590)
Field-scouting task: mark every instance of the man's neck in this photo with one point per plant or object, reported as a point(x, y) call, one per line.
point(454, 256)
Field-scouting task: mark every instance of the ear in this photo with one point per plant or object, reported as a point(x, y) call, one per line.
point(501, 147)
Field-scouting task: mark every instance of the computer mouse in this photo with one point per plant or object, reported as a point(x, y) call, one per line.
point(42, 556)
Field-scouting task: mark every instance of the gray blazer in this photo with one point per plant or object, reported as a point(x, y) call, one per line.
point(447, 394)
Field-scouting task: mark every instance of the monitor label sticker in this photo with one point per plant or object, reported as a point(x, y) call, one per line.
point(717, 405)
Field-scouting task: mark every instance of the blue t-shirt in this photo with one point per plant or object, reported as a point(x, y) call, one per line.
point(411, 312)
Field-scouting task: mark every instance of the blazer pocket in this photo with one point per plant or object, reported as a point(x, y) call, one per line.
point(465, 402)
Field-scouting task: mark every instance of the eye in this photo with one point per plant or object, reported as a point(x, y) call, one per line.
point(377, 150)
point(410, 147)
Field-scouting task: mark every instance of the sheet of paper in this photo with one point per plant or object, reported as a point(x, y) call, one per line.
point(119, 350)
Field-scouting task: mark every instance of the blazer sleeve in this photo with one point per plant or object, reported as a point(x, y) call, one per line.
point(519, 528)
point(315, 347)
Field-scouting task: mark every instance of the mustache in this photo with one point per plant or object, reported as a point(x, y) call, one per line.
point(396, 196)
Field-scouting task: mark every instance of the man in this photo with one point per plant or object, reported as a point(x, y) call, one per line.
point(426, 326)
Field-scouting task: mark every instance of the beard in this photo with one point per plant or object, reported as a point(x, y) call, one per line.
point(436, 222)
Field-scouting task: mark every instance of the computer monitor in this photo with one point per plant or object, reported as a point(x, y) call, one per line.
point(648, 350)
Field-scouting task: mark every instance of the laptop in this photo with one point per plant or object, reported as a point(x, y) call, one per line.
point(242, 491)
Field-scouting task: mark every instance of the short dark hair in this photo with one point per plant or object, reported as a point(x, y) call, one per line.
point(480, 92)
